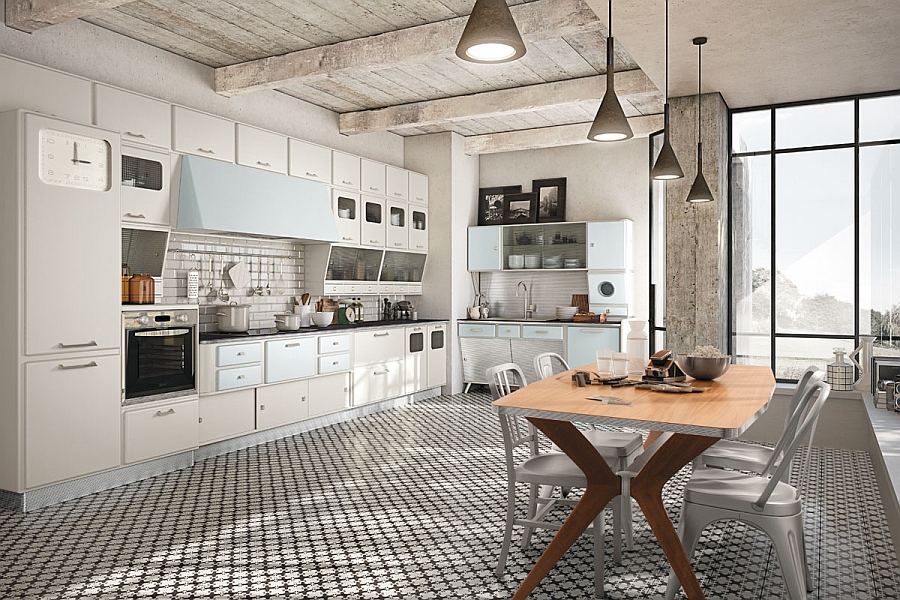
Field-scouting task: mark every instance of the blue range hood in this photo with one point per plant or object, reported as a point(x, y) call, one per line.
point(223, 197)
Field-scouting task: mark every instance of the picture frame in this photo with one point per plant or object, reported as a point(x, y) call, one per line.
point(491, 205)
point(551, 199)
point(520, 208)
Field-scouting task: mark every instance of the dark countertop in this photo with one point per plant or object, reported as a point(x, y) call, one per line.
point(214, 337)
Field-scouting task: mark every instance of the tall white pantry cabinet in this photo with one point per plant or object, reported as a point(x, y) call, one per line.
point(60, 341)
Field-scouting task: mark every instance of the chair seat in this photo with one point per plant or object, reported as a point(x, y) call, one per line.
point(737, 491)
point(552, 468)
point(612, 444)
point(729, 454)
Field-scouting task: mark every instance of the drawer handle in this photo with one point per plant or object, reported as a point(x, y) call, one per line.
point(135, 216)
point(417, 329)
point(337, 362)
point(263, 164)
point(242, 377)
point(598, 330)
point(381, 334)
point(346, 238)
point(374, 189)
point(381, 372)
point(479, 330)
point(72, 367)
point(420, 246)
point(136, 135)
point(541, 331)
point(239, 353)
point(345, 182)
point(397, 244)
point(90, 343)
point(592, 244)
point(397, 194)
point(420, 199)
point(206, 151)
point(297, 345)
point(308, 174)
point(160, 413)
point(374, 242)
point(335, 343)
point(262, 407)
point(302, 398)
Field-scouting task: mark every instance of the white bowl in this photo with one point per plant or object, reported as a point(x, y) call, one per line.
point(532, 261)
point(322, 319)
point(516, 261)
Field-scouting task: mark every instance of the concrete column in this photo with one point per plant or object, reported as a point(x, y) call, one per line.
point(696, 234)
point(452, 208)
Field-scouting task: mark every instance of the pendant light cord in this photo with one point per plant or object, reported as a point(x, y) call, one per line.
point(699, 105)
point(667, 51)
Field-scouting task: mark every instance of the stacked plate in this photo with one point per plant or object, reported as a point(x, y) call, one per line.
point(532, 261)
point(574, 263)
point(516, 261)
point(553, 261)
point(566, 313)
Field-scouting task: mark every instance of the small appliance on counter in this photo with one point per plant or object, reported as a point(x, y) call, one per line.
point(160, 354)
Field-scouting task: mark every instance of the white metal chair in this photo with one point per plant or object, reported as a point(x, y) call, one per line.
point(618, 448)
point(764, 501)
point(541, 469)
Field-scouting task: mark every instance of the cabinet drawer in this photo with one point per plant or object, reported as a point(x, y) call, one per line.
point(238, 354)
point(202, 134)
point(292, 358)
point(261, 149)
point(224, 416)
point(230, 379)
point(334, 343)
point(377, 382)
point(345, 170)
point(309, 161)
point(418, 188)
point(328, 394)
point(378, 346)
point(281, 404)
point(334, 363)
point(508, 331)
point(138, 118)
point(372, 177)
point(397, 183)
point(539, 332)
point(159, 431)
point(471, 330)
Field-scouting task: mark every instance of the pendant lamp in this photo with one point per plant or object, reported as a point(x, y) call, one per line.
point(667, 166)
point(610, 124)
point(700, 191)
point(491, 35)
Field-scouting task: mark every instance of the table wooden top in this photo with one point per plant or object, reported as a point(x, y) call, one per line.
point(727, 407)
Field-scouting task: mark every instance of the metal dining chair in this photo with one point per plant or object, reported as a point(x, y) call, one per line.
point(763, 500)
point(618, 448)
point(539, 469)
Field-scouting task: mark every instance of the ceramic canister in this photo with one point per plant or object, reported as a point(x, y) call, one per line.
point(841, 374)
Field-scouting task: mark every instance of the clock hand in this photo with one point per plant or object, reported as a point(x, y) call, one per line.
point(84, 162)
point(75, 157)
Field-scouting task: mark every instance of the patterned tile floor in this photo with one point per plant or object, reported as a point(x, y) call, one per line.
point(403, 504)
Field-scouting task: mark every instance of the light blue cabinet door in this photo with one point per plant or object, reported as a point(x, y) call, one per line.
point(583, 343)
point(292, 358)
point(484, 248)
point(609, 245)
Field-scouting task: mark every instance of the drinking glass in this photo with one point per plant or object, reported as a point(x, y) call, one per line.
point(604, 362)
point(620, 363)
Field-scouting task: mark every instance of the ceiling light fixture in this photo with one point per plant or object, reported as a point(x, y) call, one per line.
point(667, 166)
point(491, 35)
point(610, 124)
point(700, 191)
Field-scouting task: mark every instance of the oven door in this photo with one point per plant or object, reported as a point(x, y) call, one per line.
point(158, 361)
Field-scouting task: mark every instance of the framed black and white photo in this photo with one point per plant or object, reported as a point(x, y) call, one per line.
point(551, 198)
point(490, 203)
point(520, 208)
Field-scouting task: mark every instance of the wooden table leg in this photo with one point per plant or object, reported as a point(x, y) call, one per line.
point(651, 437)
point(603, 486)
point(647, 487)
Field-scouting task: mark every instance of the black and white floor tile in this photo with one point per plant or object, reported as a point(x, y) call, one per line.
point(403, 504)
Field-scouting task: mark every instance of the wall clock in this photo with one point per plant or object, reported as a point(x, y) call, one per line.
point(72, 160)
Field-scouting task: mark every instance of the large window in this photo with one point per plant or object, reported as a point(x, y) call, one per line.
point(815, 197)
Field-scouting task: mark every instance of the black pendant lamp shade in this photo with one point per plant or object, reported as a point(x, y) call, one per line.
point(700, 191)
point(491, 35)
point(667, 165)
point(610, 124)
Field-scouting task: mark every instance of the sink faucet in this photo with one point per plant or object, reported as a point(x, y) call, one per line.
point(529, 310)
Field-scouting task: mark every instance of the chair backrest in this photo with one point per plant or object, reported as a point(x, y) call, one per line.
point(802, 422)
point(544, 364)
point(809, 377)
point(516, 430)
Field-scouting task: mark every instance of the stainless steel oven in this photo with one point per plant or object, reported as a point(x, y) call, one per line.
point(160, 354)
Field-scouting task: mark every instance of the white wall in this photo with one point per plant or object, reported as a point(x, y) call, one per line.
point(96, 53)
point(603, 182)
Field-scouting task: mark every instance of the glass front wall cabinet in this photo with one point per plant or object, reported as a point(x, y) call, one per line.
point(550, 246)
point(403, 266)
point(353, 264)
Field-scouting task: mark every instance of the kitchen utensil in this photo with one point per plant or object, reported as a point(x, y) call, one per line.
point(268, 289)
point(288, 322)
point(322, 319)
point(280, 283)
point(304, 299)
point(210, 291)
point(223, 295)
point(239, 275)
point(259, 291)
point(126, 276)
point(707, 368)
point(140, 289)
point(233, 318)
point(193, 283)
point(304, 310)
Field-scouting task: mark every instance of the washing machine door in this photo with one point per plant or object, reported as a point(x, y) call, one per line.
point(608, 288)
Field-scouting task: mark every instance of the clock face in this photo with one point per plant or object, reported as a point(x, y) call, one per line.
point(74, 160)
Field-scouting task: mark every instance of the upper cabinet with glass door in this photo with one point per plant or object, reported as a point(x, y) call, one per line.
point(418, 230)
point(373, 229)
point(346, 215)
point(549, 246)
point(398, 225)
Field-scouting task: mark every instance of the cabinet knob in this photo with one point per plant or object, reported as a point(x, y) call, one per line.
point(135, 135)
point(302, 398)
point(241, 376)
point(262, 407)
point(241, 354)
point(206, 151)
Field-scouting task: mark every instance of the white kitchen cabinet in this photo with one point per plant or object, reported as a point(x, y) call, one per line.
point(145, 186)
point(238, 377)
point(373, 177)
point(161, 430)
point(44, 90)
point(542, 332)
point(418, 230)
point(72, 418)
point(346, 215)
point(418, 188)
point(484, 248)
point(345, 170)
point(610, 245)
point(202, 134)
point(139, 119)
point(290, 358)
point(477, 330)
point(373, 228)
point(329, 394)
point(582, 343)
point(416, 363)
point(228, 415)
point(398, 225)
point(437, 355)
point(261, 149)
point(282, 404)
point(329, 344)
point(379, 345)
point(309, 161)
point(397, 183)
point(229, 355)
point(380, 381)
point(334, 363)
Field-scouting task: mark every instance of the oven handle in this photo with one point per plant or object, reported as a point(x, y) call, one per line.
point(162, 333)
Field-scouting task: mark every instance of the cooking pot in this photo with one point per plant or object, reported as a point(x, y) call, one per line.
point(233, 318)
point(288, 322)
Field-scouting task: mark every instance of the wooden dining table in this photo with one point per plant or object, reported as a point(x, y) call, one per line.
point(725, 409)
